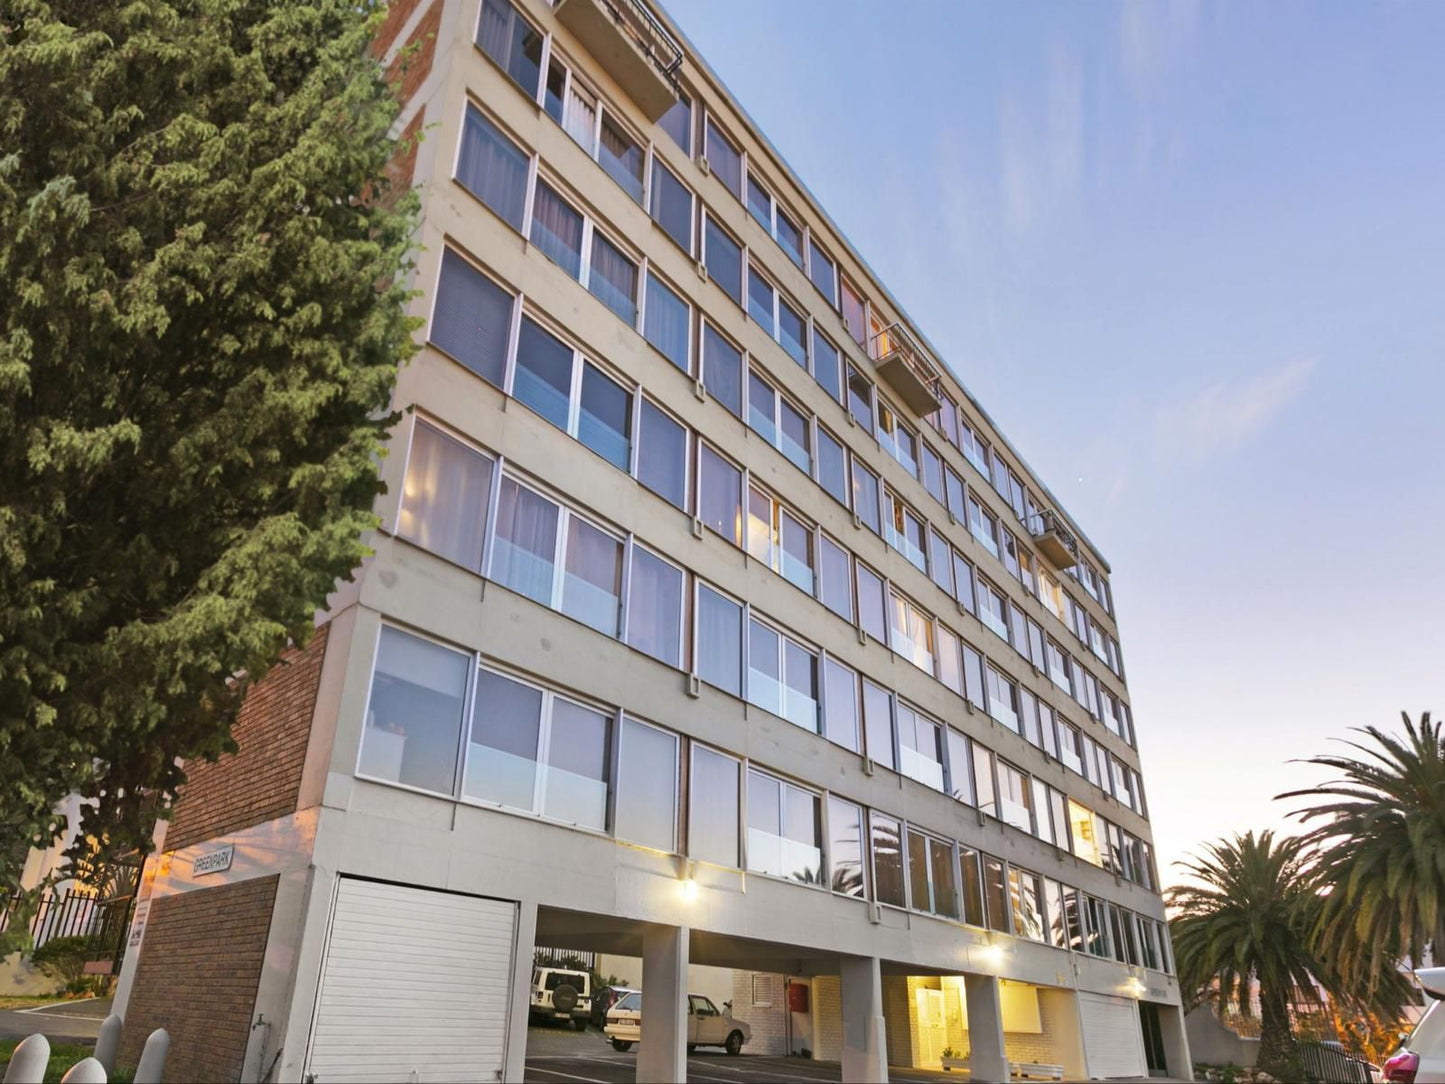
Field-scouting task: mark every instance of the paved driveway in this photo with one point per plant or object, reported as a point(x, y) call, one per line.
point(59, 1021)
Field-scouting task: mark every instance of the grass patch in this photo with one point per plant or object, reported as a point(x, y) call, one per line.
point(62, 1057)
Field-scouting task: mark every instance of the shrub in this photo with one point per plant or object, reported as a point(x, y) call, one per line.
point(64, 959)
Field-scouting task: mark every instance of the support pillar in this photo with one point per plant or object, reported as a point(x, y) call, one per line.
point(662, 1053)
point(1176, 1043)
point(986, 1060)
point(516, 1064)
point(865, 1044)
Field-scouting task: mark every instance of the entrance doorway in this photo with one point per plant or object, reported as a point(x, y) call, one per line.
point(1153, 1038)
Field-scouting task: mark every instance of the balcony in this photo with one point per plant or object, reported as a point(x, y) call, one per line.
point(1054, 540)
point(903, 367)
point(634, 48)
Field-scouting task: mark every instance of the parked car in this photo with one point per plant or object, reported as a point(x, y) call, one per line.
point(1422, 1059)
point(604, 999)
point(706, 1026)
point(559, 993)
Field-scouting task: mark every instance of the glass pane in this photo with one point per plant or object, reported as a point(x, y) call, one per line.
point(887, 861)
point(557, 230)
point(840, 698)
point(414, 715)
point(765, 686)
point(604, 421)
point(662, 455)
point(445, 497)
point(983, 780)
point(510, 40)
point(713, 819)
point(760, 301)
point(592, 579)
point(525, 547)
point(996, 894)
point(945, 890)
point(722, 370)
point(933, 474)
point(797, 552)
point(940, 561)
point(719, 641)
point(621, 157)
point(760, 539)
point(543, 378)
point(972, 887)
point(960, 767)
point(1024, 899)
point(762, 406)
point(845, 848)
point(794, 437)
point(826, 369)
point(666, 323)
point(802, 837)
point(654, 607)
point(647, 786)
point(918, 872)
point(790, 237)
point(860, 399)
point(575, 788)
point(493, 168)
point(613, 279)
point(837, 580)
point(800, 686)
point(870, 604)
point(878, 723)
point(760, 204)
point(720, 496)
point(677, 122)
point(725, 161)
point(724, 260)
point(793, 333)
point(865, 497)
point(820, 270)
point(472, 318)
point(832, 466)
point(502, 754)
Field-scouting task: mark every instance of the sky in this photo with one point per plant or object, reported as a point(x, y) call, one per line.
point(1191, 259)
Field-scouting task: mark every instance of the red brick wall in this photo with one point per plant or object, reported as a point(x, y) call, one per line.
point(396, 16)
point(417, 64)
point(197, 975)
point(262, 779)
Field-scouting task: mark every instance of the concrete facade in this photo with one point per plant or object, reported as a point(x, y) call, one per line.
point(359, 810)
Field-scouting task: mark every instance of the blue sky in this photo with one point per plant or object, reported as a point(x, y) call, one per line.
point(1191, 258)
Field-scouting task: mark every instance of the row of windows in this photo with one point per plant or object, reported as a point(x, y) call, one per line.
point(672, 205)
point(445, 721)
point(472, 320)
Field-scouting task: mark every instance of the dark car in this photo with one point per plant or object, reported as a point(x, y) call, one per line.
point(603, 1000)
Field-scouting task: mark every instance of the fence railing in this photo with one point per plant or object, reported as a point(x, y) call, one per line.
point(1327, 1062)
point(77, 913)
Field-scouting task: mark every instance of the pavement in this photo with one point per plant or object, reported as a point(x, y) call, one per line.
point(58, 1021)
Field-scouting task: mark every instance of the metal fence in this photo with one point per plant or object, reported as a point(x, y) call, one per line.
point(77, 913)
point(1327, 1062)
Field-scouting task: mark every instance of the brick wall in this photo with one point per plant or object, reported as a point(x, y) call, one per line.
point(413, 69)
point(900, 1017)
point(828, 1018)
point(769, 1022)
point(262, 779)
point(1042, 1047)
point(197, 975)
point(397, 13)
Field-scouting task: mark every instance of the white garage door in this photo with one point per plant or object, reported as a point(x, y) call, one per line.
point(1113, 1043)
point(415, 986)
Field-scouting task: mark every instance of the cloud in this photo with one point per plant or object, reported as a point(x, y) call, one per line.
point(1224, 416)
point(1153, 35)
point(1041, 158)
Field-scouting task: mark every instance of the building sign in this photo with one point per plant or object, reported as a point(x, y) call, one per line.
point(138, 923)
point(213, 861)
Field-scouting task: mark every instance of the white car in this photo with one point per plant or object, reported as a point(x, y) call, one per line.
point(706, 1026)
point(1422, 1059)
point(560, 994)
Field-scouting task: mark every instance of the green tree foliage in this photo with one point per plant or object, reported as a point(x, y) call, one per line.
point(1380, 850)
point(200, 324)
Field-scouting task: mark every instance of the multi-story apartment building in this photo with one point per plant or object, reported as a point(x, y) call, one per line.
point(711, 621)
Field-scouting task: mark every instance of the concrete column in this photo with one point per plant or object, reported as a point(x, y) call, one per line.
point(986, 1060)
point(662, 1053)
point(516, 1066)
point(1176, 1043)
point(865, 1043)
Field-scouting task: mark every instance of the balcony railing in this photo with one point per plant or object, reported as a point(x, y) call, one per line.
point(904, 367)
point(634, 47)
point(1054, 540)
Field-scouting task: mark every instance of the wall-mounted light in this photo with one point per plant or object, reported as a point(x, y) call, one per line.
point(1134, 988)
point(688, 887)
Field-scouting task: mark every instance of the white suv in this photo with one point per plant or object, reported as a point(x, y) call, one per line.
point(560, 994)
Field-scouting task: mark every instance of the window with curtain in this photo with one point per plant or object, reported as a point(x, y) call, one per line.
point(647, 786)
point(604, 417)
point(613, 279)
point(832, 466)
point(719, 641)
point(725, 160)
point(445, 497)
point(493, 168)
point(503, 746)
point(509, 39)
point(912, 633)
point(719, 502)
point(722, 370)
point(662, 455)
point(785, 832)
point(557, 230)
point(677, 123)
point(920, 747)
point(543, 377)
point(471, 318)
point(654, 607)
point(840, 705)
point(575, 765)
point(887, 860)
point(666, 323)
point(580, 118)
point(671, 205)
point(1015, 798)
point(621, 156)
point(592, 576)
point(845, 849)
point(414, 712)
point(524, 549)
point(713, 815)
point(724, 259)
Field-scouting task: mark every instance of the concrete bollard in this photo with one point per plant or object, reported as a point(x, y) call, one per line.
point(107, 1043)
point(85, 1071)
point(28, 1063)
point(153, 1058)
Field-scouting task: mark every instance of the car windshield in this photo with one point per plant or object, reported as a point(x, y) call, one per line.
point(566, 978)
point(630, 1002)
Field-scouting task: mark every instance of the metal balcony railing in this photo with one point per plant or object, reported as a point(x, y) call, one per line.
point(629, 41)
point(650, 35)
point(1054, 540)
point(906, 368)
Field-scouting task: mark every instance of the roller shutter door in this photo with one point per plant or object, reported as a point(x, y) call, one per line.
point(1113, 1043)
point(415, 985)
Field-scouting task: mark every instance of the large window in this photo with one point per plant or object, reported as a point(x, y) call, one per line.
point(912, 631)
point(724, 259)
point(1026, 900)
point(782, 676)
point(778, 422)
point(1015, 797)
point(723, 159)
point(414, 714)
point(968, 862)
point(780, 540)
point(472, 318)
point(720, 495)
point(940, 561)
point(904, 531)
point(677, 122)
point(662, 455)
point(871, 617)
point(719, 646)
point(960, 767)
point(920, 747)
point(860, 399)
point(531, 749)
point(557, 230)
point(931, 875)
point(932, 473)
point(445, 497)
point(845, 848)
point(592, 576)
point(774, 221)
point(667, 322)
point(840, 705)
point(785, 831)
point(832, 466)
point(878, 723)
point(835, 578)
point(654, 607)
point(1003, 699)
point(671, 205)
point(897, 440)
point(620, 155)
point(963, 584)
point(524, 550)
point(822, 272)
point(512, 42)
point(983, 525)
point(713, 809)
point(983, 780)
point(826, 370)
point(647, 786)
point(493, 168)
point(722, 369)
point(762, 299)
point(865, 497)
point(996, 894)
point(584, 402)
point(992, 610)
point(888, 881)
point(852, 307)
point(612, 279)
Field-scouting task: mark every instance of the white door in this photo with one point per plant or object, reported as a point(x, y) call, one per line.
point(415, 986)
point(1113, 1042)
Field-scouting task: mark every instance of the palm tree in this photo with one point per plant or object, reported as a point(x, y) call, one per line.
point(1380, 848)
point(1245, 920)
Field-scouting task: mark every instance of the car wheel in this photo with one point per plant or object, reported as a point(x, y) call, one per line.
point(734, 1045)
point(622, 1046)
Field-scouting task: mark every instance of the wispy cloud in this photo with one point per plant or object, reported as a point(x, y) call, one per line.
point(1223, 416)
point(1152, 36)
point(1041, 158)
